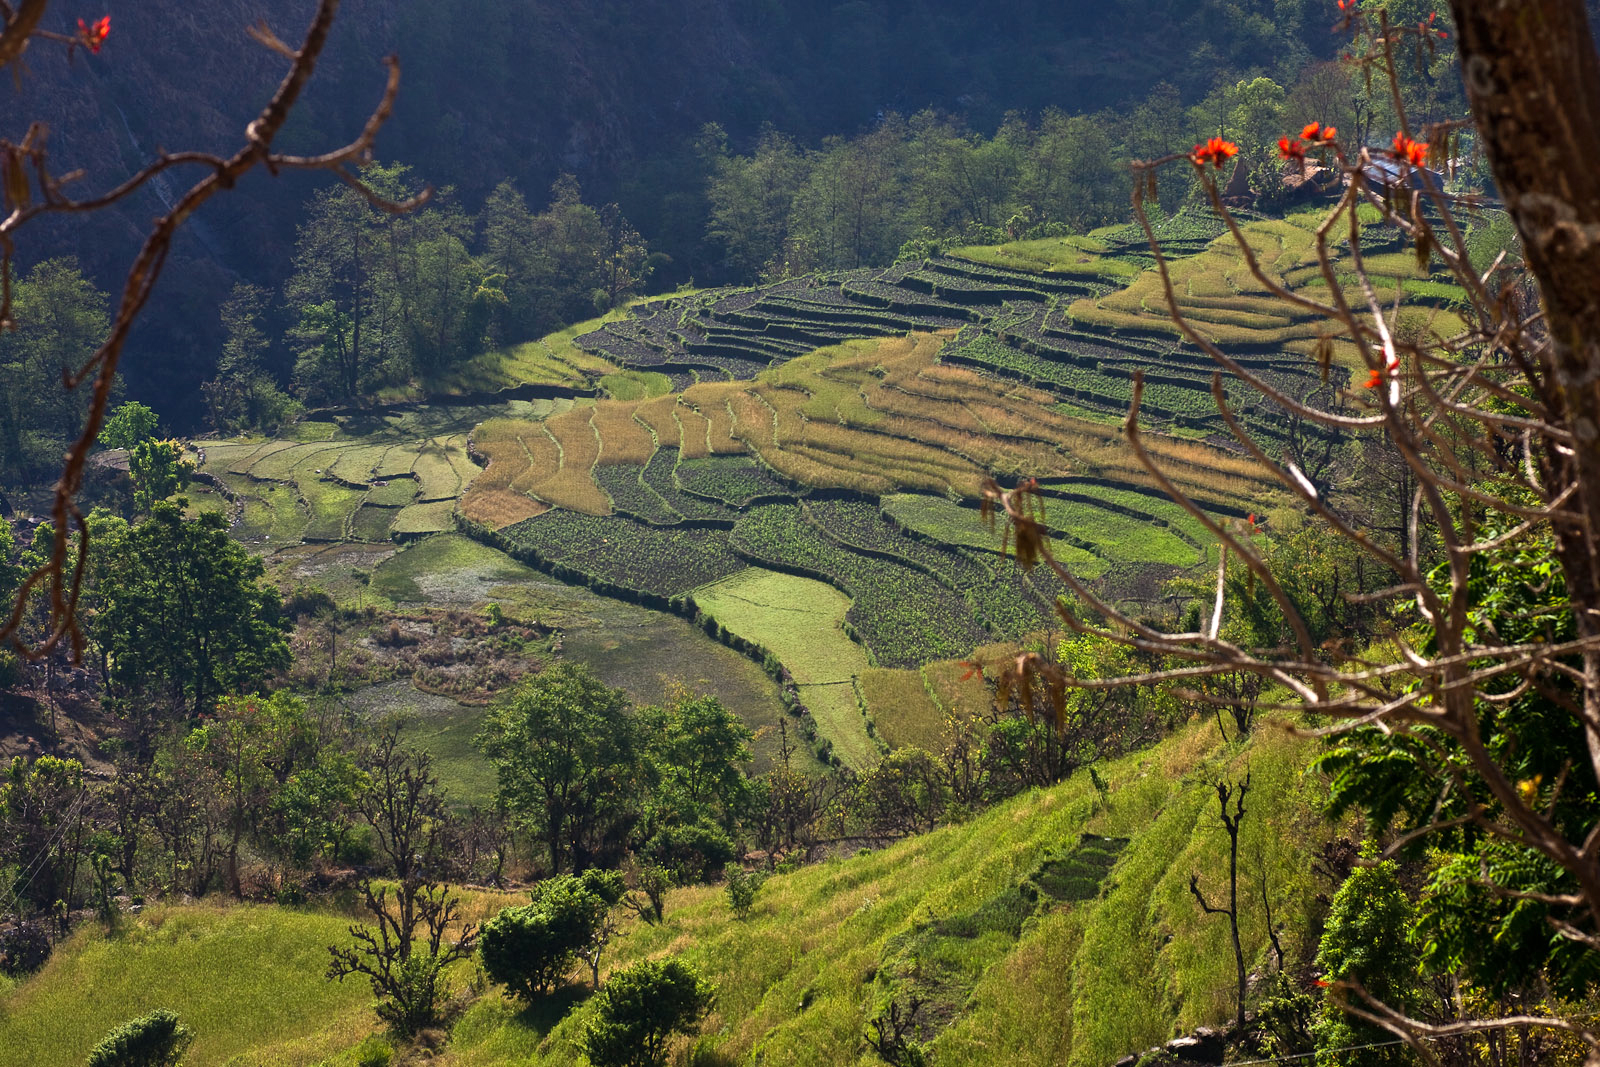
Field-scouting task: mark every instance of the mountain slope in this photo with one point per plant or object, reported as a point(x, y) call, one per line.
point(1115, 958)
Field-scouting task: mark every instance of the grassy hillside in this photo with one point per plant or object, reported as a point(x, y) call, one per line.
point(1111, 959)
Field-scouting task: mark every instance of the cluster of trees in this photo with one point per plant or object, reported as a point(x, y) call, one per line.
point(375, 299)
point(381, 298)
point(910, 185)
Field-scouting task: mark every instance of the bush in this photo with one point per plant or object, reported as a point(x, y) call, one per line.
point(154, 1040)
point(692, 851)
point(529, 949)
point(374, 1052)
point(743, 886)
point(24, 947)
point(640, 1009)
point(1366, 940)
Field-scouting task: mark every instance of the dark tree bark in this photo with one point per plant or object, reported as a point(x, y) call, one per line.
point(1533, 82)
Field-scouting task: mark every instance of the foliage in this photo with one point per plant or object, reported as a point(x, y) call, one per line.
point(742, 887)
point(45, 830)
point(244, 395)
point(567, 754)
point(187, 616)
point(24, 948)
point(1366, 941)
point(61, 320)
point(698, 748)
point(154, 1040)
point(1406, 781)
point(529, 949)
point(640, 1008)
point(158, 469)
point(405, 958)
point(127, 425)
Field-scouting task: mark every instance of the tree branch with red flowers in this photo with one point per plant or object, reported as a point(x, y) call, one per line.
point(31, 190)
point(1500, 419)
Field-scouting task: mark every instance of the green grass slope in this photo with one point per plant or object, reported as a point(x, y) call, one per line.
point(1115, 958)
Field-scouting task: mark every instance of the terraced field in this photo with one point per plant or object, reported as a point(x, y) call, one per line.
point(752, 458)
point(369, 479)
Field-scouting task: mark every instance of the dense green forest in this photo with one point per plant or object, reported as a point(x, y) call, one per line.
point(620, 100)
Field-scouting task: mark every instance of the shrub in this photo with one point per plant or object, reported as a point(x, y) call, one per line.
point(374, 1052)
point(1366, 941)
point(24, 947)
point(154, 1040)
point(692, 851)
point(640, 1009)
point(529, 949)
point(743, 886)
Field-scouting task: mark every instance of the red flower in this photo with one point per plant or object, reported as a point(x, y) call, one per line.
point(93, 34)
point(1316, 131)
point(1320, 983)
point(1413, 152)
point(1291, 149)
point(1374, 380)
point(1215, 151)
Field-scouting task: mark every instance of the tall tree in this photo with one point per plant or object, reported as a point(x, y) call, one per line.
point(61, 320)
point(187, 614)
point(566, 750)
point(244, 395)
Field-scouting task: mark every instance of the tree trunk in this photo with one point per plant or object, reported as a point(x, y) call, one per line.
point(1533, 81)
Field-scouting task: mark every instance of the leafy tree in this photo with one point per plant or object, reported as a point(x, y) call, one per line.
point(697, 748)
point(405, 957)
point(45, 824)
point(186, 612)
point(639, 1011)
point(904, 794)
point(623, 258)
point(742, 888)
point(529, 949)
point(567, 754)
point(1507, 939)
point(154, 1040)
point(750, 199)
point(343, 290)
point(61, 320)
point(244, 395)
point(1366, 941)
point(158, 469)
point(243, 756)
point(128, 425)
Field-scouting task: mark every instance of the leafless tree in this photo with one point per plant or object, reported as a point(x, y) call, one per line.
point(30, 190)
point(1501, 418)
point(1225, 794)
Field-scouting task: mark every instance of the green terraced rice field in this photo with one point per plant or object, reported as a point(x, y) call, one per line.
point(801, 621)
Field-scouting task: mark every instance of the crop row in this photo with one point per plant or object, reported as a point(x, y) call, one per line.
point(658, 474)
point(617, 552)
point(1000, 277)
point(733, 480)
point(902, 616)
point(631, 497)
point(993, 587)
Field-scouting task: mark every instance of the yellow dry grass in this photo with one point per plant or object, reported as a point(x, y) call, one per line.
point(519, 454)
point(658, 416)
point(623, 439)
point(753, 420)
point(573, 486)
point(693, 432)
point(499, 508)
